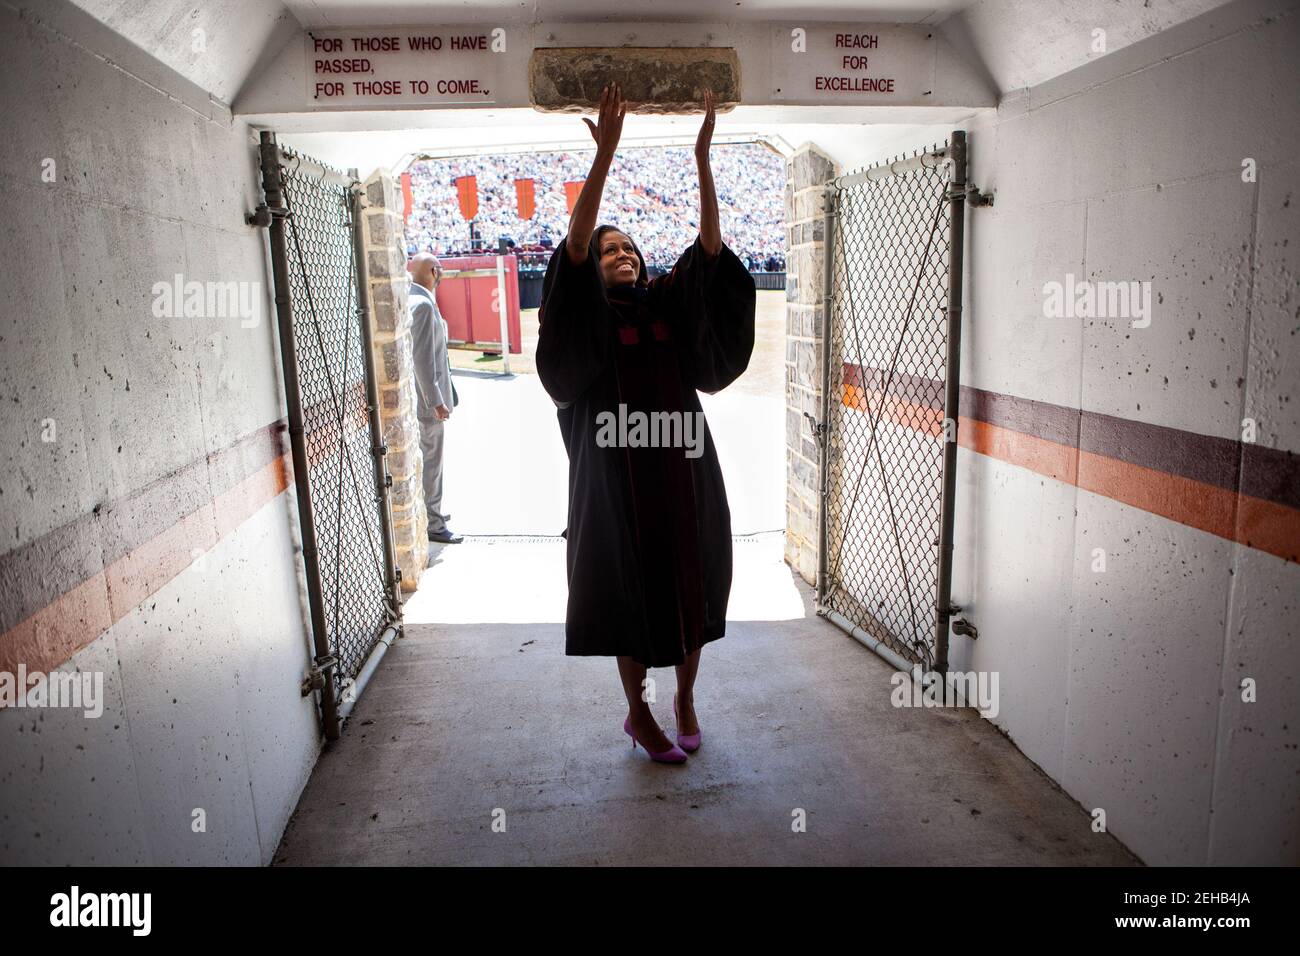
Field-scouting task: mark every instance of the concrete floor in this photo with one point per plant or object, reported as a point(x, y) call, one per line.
point(465, 721)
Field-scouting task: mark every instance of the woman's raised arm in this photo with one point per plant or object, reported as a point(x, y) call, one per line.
point(606, 135)
point(710, 230)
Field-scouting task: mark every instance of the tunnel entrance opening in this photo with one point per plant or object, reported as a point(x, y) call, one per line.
point(506, 471)
point(505, 484)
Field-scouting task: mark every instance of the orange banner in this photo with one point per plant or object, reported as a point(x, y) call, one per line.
point(524, 195)
point(406, 197)
point(467, 193)
point(571, 192)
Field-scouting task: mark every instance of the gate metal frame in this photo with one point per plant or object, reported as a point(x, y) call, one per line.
point(339, 681)
point(951, 155)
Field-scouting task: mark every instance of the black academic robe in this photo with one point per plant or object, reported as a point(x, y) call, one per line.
point(649, 533)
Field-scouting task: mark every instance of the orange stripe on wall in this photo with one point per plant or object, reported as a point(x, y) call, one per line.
point(1028, 451)
point(48, 639)
point(1264, 525)
point(1269, 526)
point(53, 634)
point(1193, 503)
point(238, 504)
point(899, 410)
point(323, 427)
point(146, 568)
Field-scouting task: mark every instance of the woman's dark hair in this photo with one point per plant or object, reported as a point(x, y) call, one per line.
point(643, 277)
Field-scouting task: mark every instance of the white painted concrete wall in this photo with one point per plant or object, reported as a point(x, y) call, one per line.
point(1123, 686)
point(201, 680)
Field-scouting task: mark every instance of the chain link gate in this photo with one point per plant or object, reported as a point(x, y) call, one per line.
point(891, 351)
point(322, 308)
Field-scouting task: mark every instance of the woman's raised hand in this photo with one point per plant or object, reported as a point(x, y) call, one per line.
point(612, 111)
point(710, 228)
point(705, 138)
point(583, 221)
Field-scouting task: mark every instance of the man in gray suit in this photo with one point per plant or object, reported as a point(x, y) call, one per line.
point(436, 392)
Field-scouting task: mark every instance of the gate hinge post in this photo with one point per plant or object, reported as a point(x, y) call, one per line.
point(322, 670)
point(972, 193)
point(263, 215)
point(830, 200)
point(819, 428)
point(961, 625)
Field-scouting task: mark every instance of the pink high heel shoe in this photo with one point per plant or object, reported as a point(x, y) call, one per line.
point(688, 742)
point(671, 755)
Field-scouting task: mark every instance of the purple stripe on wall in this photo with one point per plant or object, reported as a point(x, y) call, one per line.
point(1267, 473)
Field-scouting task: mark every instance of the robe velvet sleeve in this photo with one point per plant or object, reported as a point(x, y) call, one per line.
point(573, 340)
point(710, 300)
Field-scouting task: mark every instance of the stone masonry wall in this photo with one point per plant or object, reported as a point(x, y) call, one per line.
point(381, 223)
point(806, 172)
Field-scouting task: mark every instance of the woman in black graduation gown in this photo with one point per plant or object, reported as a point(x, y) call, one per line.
point(649, 535)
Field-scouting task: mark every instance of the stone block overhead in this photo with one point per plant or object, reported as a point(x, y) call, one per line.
point(654, 79)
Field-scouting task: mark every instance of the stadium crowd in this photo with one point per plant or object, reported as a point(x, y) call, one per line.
point(651, 192)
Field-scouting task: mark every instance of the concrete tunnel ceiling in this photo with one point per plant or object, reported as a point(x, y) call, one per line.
point(993, 46)
point(1001, 45)
point(1019, 43)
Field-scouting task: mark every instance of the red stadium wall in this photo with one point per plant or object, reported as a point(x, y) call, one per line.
point(466, 302)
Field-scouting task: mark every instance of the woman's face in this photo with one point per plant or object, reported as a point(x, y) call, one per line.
point(618, 262)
